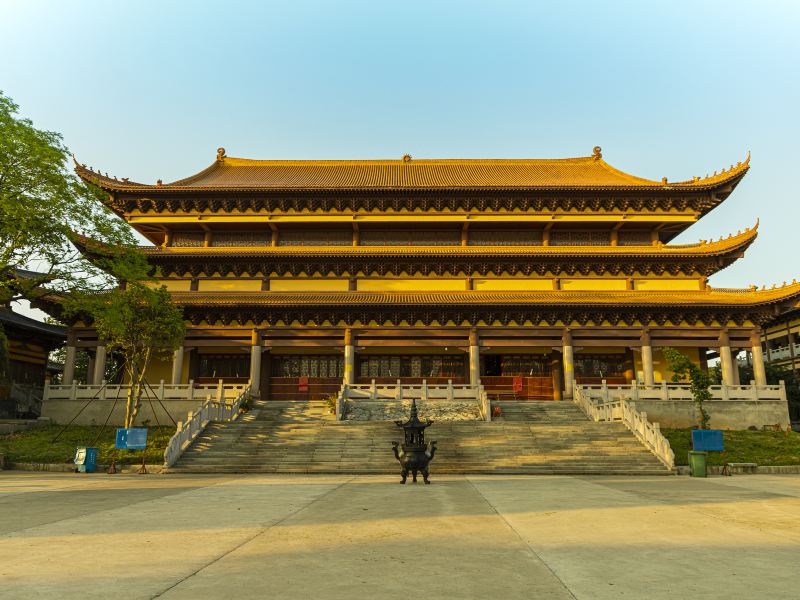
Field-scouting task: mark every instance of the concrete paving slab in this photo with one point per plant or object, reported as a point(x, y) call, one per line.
point(318, 536)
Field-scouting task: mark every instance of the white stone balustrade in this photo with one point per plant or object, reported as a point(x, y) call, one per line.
point(680, 391)
point(606, 408)
point(216, 409)
point(164, 391)
point(397, 392)
point(782, 352)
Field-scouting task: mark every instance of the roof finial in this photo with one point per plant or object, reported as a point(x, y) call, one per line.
point(597, 152)
point(220, 153)
point(406, 158)
point(159, 182)
point(663, 181)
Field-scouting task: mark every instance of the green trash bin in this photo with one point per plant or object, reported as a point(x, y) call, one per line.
point(697, 463)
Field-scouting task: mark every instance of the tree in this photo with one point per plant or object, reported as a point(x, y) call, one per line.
point(683, 368)
point(775, 374)
point(43, 206)
point(140, 323)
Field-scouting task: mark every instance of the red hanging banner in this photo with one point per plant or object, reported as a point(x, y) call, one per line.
point(302, 384)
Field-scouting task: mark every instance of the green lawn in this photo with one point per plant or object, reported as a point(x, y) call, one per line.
point(760, 447)
point(36, 445)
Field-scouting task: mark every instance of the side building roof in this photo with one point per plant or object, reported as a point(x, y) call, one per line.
point(31, 327)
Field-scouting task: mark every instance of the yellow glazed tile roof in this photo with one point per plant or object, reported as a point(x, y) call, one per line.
point(590, 172)
point(748, 297)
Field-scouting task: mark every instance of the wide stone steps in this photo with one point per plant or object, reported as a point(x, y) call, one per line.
point(530, 438)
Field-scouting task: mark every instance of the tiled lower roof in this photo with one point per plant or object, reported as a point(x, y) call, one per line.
point(745, 297)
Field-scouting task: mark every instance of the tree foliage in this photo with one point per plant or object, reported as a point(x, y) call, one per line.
point(775, 374)
point(140, 323)
point(684, 369)
point(43, 205)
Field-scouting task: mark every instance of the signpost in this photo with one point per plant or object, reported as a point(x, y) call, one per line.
point(130, 438)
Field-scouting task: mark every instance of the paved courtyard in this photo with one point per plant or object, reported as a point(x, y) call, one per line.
point(127, 536)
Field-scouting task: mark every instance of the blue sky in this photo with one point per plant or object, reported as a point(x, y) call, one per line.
point(149, 90)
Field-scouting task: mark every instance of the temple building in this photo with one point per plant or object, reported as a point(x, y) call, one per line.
point(523, 275)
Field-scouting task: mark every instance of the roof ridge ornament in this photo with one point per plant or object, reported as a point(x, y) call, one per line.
point(597, 152)
point(406, 158)
point(221, 154)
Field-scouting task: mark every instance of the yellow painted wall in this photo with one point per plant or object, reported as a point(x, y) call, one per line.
point(308, 285)
point(158, 370)
point(593, 284)
point(410, 285)
point(229, 285)
point(652, 285)
point(173, 285)
point(660, 370)
point(512, 284)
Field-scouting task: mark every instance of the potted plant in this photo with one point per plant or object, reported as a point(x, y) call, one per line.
point(330, 403)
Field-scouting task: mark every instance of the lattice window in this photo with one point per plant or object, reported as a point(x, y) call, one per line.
point(307, 366)
point(600, 365)
point(410, 237)
point(580, 238)
point(185, 239)
point(224, 365)
point(241, 238)
point(524, 365)
point(330, 237)
point(634, 238)
point(505, 237)
point(411, 366)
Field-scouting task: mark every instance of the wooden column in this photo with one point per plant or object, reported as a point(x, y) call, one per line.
point(647, 359)
point(569, 363)
point(759, 372)
point(629, 371)
point(791, 337)
point(266, 372)
point(725, 359)
point(99, 372)
point(89, 366)
point(255, 364)
point(349, 357)
point(555, 372)
point(474, 359)
point(69, 358)
point(177, 365)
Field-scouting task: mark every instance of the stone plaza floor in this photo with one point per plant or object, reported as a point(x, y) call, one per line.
point(273, 536)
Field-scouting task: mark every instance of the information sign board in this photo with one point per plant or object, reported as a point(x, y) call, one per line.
point(709, 440)
point(133, 438)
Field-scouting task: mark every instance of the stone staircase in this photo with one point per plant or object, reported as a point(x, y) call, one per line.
point(529, 438)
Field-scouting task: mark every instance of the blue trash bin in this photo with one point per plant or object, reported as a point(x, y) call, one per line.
point(86, 459)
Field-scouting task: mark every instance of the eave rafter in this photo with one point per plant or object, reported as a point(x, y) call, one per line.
point(704, 258)
point(679, 309)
